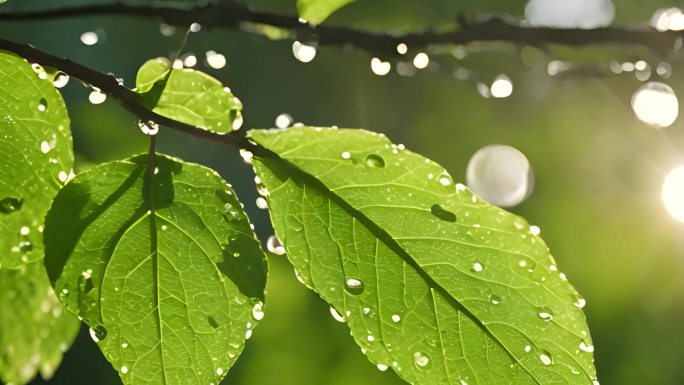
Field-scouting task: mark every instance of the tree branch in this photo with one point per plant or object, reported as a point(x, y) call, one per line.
point(109, 85)
point(231, 15)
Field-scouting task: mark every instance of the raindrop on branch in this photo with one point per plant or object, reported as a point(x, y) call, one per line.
point(421, 60)
point(283, 120)
point(303, 52)
point(89, 38)
point(502, 87)
point(379, 67)
point(97, 97)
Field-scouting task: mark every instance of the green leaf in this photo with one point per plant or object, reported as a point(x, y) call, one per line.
point(434, 282)
point(34, 329)
point(166, 271)
point(316, 11)
point(188, 96)
point(36, 157)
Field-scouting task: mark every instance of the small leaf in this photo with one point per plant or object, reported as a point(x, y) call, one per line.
point(36, 157)
point(432, 281)
point(189, 96)
point(164, 268)
point(35, 330)
point(316, 11)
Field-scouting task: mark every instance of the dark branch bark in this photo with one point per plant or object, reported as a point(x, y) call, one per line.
point(231, 15)
point(109, 85)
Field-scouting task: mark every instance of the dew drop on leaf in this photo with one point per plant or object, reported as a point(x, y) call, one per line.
point(354, 286)
point(421, 360)
point(61, 79)
point(477, 267)
point(274, 245)
point(10, 204)
point(374, 160)
point(98, 333)
point(545, 314)
point(258, 311)
point(442, 214)
point(545, 358)
point(336, 315)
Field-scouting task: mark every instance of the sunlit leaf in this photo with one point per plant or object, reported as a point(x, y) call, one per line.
point(35, 331)
point(167, 273)
point(433, 282)
point(316, 11)
point(189, 96)
point(35, 157)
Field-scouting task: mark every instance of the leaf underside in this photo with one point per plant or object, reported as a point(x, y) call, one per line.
point(433, 282)
point(35, 157)
point(162, 266)
point(189, 96)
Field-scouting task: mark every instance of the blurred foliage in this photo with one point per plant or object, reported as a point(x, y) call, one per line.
point(598, 171)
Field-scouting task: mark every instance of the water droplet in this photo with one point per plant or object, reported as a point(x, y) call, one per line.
point(303, 52)
point(396, 318)
point(545, 358)
point(346, 155)
point(61, 79)
point(586, 348)
point(248, 334)
point(262, 203)
point(42, 105)
point(382, 367)
point(374, 160)
point(545, 314)
point(148, 128)
point(89, 38)
point(10, 204)
point(238, 121)
point(219, 371)
point(354, 286)
point(258, 311)
point(124, 345)
point(501, 175)
point(379, 67)
point(535, 230)
point(283, 120)
point(495, 299)
point(25, 246)
point(97, 97)
point(215, 60)
point(370, 338)
point(274, 246)
point(445, 180)
point(402, 49)
point(98, 333)
point(580, 302)
point(246, 156)
point(24, 230)
point(528, 348)
point(421, 359)
point(195, 27)
point(336, 315)
point(445, 215)
point(656, 104)
point(124, 369)
point(421, 60)
point(477, 267)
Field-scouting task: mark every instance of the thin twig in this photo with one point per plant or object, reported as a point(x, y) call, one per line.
point(129, 99)
point(229, 14)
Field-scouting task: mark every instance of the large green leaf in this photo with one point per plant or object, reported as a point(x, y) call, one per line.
point(35, 157)
point(433, 281)
point(165, 269)
point(316, 11)
point(189, 96)
point(34, 330)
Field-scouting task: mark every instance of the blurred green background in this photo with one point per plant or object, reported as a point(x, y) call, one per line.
point(598, 170)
